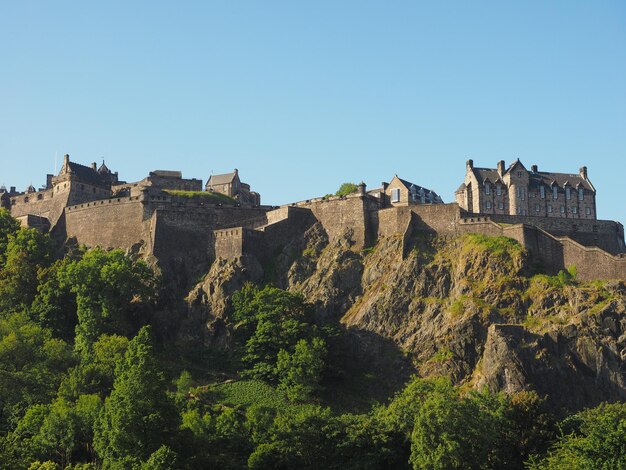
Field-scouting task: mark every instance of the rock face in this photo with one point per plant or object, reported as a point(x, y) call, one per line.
point(468, 308)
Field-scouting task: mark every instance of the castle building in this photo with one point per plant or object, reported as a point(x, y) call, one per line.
point(401, 192)
point(230, 185)
point(75, 184)
point(517, 191)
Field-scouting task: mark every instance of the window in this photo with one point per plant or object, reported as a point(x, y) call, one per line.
point(395, 195)
point(487, 189)
point(588, 210)
point(26, 199)
point(542, 192)
point(488, 204)
point(555, 193)
point(521, 193)
point(568, 193)
point(498, 189)
point(581, 194)
point(537, 208)
point(562, 209)
point(574, 210)
point(550, 209)
point(519, 174)
point(500, 205)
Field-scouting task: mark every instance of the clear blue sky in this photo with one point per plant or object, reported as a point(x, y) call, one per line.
point(302, 96)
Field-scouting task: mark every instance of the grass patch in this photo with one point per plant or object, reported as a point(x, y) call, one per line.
point(500, 246)
point(208, 196)
point(245, 393)
point(442, 355)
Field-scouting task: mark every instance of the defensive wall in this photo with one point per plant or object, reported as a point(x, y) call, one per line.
point(178, 232)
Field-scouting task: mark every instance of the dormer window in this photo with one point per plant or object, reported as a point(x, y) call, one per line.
point(519, 174)
point(487, 189)
point(395, 195)
point(581, 194)
point(498, 189)
point(542, 192)
point(555, 192)
point(568, 192)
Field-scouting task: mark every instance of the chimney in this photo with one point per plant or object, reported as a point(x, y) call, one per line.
point(94, 167)
point(501, 167)
point(66, 159)
point(469, 164)
point(533, 168)
point(362, 188)
point(384, 185)
point(49, 181)
point(583, 172)
point(236, 171)
point(12, 190)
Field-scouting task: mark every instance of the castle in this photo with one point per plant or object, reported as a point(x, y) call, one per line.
point(182, 226)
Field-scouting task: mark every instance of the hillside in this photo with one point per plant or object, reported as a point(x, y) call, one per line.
point(471, 308)
point(420, 352)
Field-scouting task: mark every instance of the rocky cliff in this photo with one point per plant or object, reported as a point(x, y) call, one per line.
point(471, 308)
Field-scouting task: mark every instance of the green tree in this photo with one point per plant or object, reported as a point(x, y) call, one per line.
point(27, 252)
point(138, 417)
point(300, 373)
point(269, 320)
point(347, 188)
point(8, 227)
point(31, 366)
point(113, 294)
point(591, 439)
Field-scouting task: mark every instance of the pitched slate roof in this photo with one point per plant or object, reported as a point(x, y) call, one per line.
point(85, 173)
point(408, 185)
point(226, 178)
point(535, 179)
point(484, 174)
point(547, 178)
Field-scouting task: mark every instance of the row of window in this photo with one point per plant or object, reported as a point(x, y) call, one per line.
point(573, 209)
point(521, 192)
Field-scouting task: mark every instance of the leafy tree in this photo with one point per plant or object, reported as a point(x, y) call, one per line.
point(594, 438)
point(112, 292)
point(303, 437)
point(138, 417)
point(8, 227)
point(27, 252)
point(31, 365)
point(269, 320)
point(347, 188)
point(300, 373)
point(163, 458)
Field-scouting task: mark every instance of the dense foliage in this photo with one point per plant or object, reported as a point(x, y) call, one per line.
point(85, 383)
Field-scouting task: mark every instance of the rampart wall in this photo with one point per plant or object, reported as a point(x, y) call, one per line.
point(355, 212)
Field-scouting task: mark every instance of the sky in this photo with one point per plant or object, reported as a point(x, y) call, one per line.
point(303, 96)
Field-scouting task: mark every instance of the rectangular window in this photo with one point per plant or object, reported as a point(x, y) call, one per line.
point(588, 210)
point(562, 209)
point(554, 192)
point(487, 189)
point(550, 209)
point(500, 205)
point(537, 208)
point(581, 194)
point(542, 192)
point(498, 189)
point(395, 195)
point(568, 193)
point(574, 210)
point(488, 204)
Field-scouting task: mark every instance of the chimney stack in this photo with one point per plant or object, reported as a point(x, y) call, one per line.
point(12, 191)
point(501, 167)
point(94, 167)
point(362, 188)
point(583, 172)
point(469, 164)
point(533, 168)
point(66, 159)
